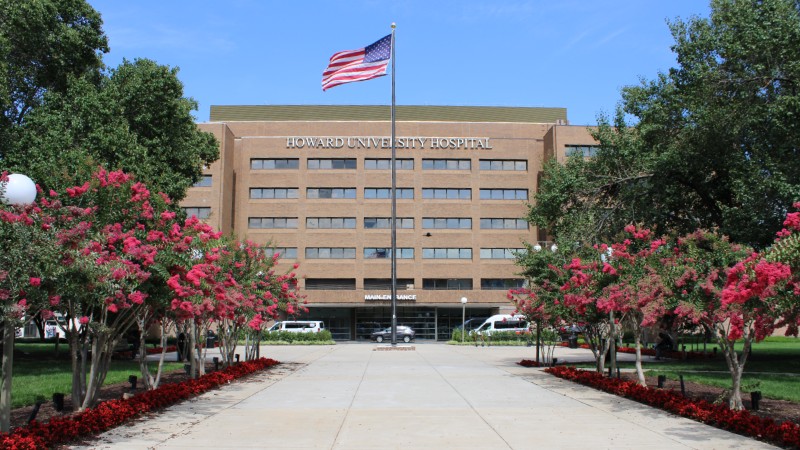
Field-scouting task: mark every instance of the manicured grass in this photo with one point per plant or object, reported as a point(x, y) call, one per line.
point(39, 373)
point(773, 368)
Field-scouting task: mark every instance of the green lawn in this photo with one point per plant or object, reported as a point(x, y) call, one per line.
point(773, 368)
point(39, 372)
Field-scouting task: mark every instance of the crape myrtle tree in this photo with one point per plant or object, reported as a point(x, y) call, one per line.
point(739, 296)
point(230, 286)
point(29, 258)
point(634, 289)
point(711, 143)
point(101, 295)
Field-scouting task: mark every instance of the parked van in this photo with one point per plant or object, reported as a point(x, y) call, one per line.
point(298, 326)
point(503, 322)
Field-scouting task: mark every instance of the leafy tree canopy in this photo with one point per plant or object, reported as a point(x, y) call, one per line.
point(712, 143)
point(64, 115)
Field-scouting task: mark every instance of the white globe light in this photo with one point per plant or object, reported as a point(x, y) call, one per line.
point(19, 190)
point(464, 300)
point(554, 248)
point(537, 248)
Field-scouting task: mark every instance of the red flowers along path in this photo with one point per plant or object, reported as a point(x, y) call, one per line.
point(110, 414)
point(785, 434)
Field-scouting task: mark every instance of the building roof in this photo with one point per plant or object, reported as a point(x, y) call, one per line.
point(277, 113)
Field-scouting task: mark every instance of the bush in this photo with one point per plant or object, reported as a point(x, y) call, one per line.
point(323, 336)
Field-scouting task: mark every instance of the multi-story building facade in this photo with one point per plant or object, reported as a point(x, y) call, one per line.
point(314, 183)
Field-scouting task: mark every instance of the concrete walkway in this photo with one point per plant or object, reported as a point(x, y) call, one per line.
point(437, 396)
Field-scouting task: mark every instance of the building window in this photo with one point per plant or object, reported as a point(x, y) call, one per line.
point(500, 253)
point(274, 164)
point(272, 222)
point(349, 163)
point(446, 164)
point(447, 253)
point(258, 193)
point(283, 252)
point(330, 253)
point(452, 284)
point(386, 164)
point(504, 164)
point(585, 151)
point(504, 194)
point(503, 224)
point(380, 284)
point(450, 194)
point(501, 284)
point(381, 253)
point(330, 222)
point(377, 193)
point(331, 284)
point(205, 181)
point(386, 222)
point(331, 193)
point(453, 223)
point(198, 211)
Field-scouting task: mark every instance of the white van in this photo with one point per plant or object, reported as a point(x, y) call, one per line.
point(503, 322)
point(298, 326)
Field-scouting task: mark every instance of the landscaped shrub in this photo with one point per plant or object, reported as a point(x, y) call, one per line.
point(323, 336)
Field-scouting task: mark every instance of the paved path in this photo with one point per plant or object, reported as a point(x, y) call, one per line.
point(349, 396)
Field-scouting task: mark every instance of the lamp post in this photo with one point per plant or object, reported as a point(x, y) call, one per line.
point(18, 190)
point(463, 318)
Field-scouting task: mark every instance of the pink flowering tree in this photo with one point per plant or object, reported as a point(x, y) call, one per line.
point(254, 293)
point(109, 258)
point(729, 291)
point(634, 289)
point(541, 302)
point(28, 261)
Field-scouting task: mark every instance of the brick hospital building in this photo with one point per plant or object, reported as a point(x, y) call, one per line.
point(314, 183)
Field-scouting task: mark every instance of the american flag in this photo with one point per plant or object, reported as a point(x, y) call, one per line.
point(358, 65)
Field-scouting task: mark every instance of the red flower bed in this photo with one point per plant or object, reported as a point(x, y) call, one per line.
point(742, 422)
point(112, 413)
point(529, 363)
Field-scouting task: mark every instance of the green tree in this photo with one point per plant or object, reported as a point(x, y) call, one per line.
point(136, 120)
point(712, 143)
point(42, 44)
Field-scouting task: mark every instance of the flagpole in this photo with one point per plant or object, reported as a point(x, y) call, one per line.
point(394, 211)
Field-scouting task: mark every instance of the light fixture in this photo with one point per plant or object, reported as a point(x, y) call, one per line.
point(18, 190)
point(428, 234)
point(537, 248)
point(554, 248)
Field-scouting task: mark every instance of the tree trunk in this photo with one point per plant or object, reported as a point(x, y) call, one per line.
point(5, 390)
point(193, 348)
point(639, 372)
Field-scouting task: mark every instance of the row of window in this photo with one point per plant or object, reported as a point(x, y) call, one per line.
point(402, 253)
point(453, 223)
point(386, 193)
point(519, 165)
point(405, 284)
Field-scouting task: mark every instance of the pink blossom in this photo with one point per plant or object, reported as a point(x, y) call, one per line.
point(83, 320)
point(35, 282)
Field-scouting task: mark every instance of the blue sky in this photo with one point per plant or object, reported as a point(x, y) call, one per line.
point(575, 54)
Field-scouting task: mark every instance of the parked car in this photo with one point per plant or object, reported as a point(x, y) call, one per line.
point(404, 333)
point(472, 323)
point(298, 326)
point(364, 330)
point(503, 322)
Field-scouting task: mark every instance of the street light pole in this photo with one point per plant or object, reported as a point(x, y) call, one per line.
point(463, 318)
point(18, 190)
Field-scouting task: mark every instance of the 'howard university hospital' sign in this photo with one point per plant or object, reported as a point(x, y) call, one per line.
point(383, 142)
